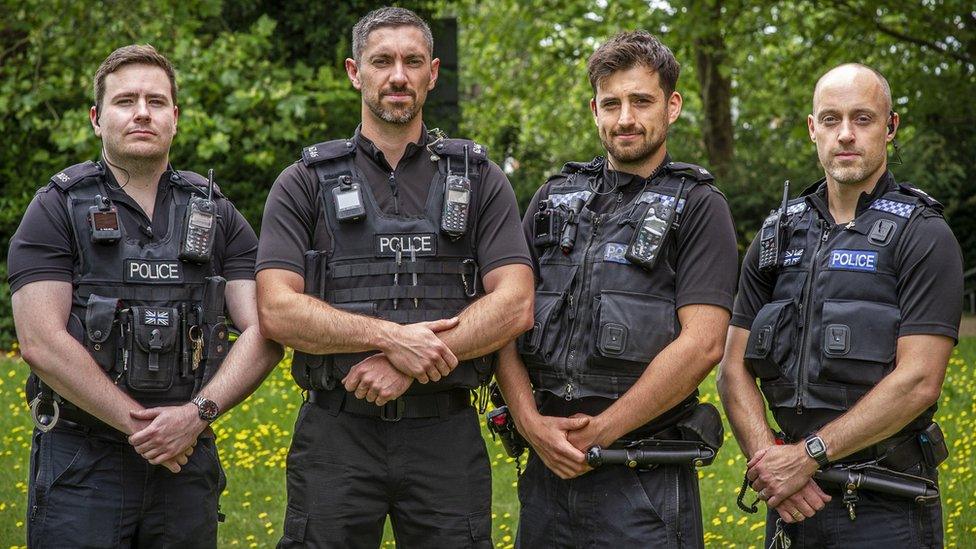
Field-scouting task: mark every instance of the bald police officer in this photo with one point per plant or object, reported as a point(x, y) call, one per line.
point(848, 324)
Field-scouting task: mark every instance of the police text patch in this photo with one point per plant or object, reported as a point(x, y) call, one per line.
point(854, 260)
point(422, 244)
point(615, 252)
point(153, 271)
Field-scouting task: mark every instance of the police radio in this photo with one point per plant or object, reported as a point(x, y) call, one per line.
point(652, 231)
point(457, 197)
point(348, 199)
point(103, 219)
point(771, 233)
point(199, 226)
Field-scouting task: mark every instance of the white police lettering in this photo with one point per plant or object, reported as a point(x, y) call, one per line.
point(153, 271)
point(63, 177)
point(854, 260)
point(313, 151)
point(422, 244)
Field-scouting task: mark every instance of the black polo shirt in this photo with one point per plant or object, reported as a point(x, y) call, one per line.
point(290, 227)
point(929, 277)
point(43, 248)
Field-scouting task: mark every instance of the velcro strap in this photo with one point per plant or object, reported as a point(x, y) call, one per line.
point(409, 315)
point(390, 267)
point(146, 292)
point(409, 406)
point(376, 293)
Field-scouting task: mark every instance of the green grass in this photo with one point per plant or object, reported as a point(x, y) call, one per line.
point(254, 438)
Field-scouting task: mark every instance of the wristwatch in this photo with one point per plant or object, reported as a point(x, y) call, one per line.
point(207, 408)
point(817, 449)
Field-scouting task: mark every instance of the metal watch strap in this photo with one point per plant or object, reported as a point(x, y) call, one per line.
point(202, 405)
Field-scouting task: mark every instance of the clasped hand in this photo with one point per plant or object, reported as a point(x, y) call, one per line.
point(783, 477)
point(415, 350)
point(166, 435)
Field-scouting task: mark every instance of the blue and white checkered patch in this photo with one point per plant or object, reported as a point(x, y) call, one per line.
point(668, 200)
point(615, 252)
point(900, 209)
point(556, 200)
point(797, 208)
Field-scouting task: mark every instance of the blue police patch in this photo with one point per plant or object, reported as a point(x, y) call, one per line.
point(854, 260)
point(615, 252)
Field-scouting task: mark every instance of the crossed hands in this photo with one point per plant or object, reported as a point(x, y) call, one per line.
point(561, 442)
point(166, 435)
point(783, 476)
point(415, 352)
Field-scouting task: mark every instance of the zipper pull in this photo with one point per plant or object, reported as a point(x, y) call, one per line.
point(572, 311)
point(799, 314)
point(850, 225)
point(395, 191)
point(569, 391)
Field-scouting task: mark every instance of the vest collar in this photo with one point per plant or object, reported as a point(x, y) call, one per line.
point(816, 195)
point(365, 145)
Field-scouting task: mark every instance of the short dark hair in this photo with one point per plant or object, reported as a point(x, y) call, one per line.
point(388, 17)
point(630, 49)
point(134, 54)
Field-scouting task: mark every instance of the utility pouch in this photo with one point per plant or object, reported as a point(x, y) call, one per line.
point(703, 425)
point(933, 445)
point(154, 360)
point(101, 339)
point(218, 345)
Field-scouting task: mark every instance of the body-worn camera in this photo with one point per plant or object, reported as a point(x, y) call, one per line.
point(199, 227)
point(548, 225)
point(103, 219)
point(348, 199)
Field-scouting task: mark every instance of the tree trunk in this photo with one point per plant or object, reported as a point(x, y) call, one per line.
point(715, 92)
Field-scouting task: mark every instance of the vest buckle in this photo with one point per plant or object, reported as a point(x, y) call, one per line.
point(392, 411)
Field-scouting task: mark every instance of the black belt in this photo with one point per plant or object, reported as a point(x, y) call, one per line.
point(671, 433)
point(408, 406)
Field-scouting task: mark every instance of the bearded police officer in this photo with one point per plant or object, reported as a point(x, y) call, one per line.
point(635, 258)
point(848, 308)
point(393, 263)
point(120, 272)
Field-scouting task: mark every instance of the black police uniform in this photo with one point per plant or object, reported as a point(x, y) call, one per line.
point(139, 310)
point(600, 319)
point(824, 325)
point(419, 458)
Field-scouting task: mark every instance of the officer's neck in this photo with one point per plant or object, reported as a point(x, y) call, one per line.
point(842, 198)
point(643, 167)
point(391, 139)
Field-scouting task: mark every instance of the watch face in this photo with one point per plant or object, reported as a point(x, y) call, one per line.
point(208, 409)
point(815, 446)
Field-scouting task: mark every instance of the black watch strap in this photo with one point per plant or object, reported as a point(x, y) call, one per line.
point(817, 449)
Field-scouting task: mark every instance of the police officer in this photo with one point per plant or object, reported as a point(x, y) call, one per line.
point(635, 257)
point(847, 311)
point(393, 263)
point(120, 313)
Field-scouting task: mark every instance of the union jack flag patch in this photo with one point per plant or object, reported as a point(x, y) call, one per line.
point(792, 257)
point(156, 318)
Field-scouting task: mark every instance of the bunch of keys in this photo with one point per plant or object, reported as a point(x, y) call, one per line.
point(196, 336)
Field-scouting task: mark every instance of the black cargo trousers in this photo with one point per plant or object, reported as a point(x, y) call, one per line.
point(346, 472)
point(90, 488)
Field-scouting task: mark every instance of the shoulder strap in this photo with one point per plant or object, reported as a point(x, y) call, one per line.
point(691, 171)
point(454, 149)
point(327, 150)
point(194, 182)
point(592, 167)
point(921, 195)
point(68, 177)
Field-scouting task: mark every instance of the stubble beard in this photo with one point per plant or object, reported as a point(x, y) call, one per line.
point(393, 116)
point(633, 155)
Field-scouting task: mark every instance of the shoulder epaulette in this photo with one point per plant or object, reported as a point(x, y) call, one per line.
point(327, 150)
point(67, 177)
point(477, 153)
point(921, 195)
point(195, 180)
point(593, 166)
point(796, 206)
point(690, 170)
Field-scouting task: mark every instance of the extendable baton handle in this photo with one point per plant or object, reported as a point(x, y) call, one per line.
point(644, 457)
point(878, 481)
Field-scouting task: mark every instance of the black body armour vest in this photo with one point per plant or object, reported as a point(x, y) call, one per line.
point(139, 310)
point(398, 268)
point(599, 318)
point(830, 331)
